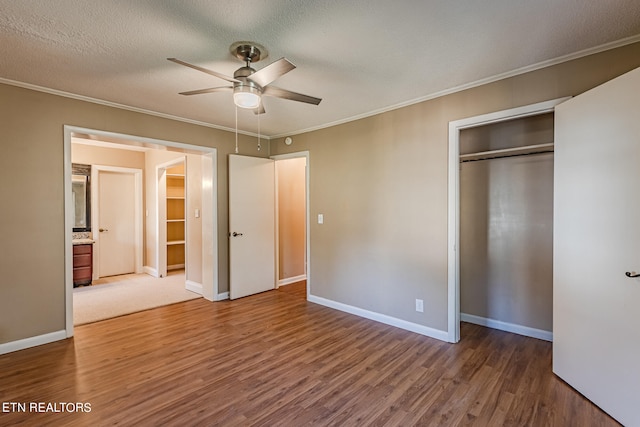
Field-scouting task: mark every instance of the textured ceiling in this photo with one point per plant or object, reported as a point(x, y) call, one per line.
point(360, 56)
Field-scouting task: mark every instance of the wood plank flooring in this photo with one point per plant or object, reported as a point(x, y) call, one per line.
point(274, 359)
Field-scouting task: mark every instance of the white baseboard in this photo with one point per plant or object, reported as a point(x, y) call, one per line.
point(222, 296)
point(290, 280)
point(508, 327)
point(382, 318)
point(32, 342)
point(151, 271)
point(193, 287)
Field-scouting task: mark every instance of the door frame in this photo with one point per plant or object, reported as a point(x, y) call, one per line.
point(210, 270)
point(453, 239)
point(95, 214)
point(305, 155)
point(161, 215)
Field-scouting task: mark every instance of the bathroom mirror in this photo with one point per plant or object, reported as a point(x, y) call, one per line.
point(81, 196)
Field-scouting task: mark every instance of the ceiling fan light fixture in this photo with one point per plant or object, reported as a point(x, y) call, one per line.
point(248, 84)
point(245, 96)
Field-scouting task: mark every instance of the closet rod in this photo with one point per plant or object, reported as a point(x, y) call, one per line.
point(508, 152)
point(504, 156)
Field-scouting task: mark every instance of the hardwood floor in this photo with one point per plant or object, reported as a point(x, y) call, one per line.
point(275, 359)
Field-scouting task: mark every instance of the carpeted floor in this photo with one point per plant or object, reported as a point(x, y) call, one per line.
point(119, 295)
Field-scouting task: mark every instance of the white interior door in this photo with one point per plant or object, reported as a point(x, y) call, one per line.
point(116, 224)
point(596, 327)
point(251, 225)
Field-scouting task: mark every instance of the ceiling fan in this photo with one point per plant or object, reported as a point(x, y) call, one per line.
point(250, 85)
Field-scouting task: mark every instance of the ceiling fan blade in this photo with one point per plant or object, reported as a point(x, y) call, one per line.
point(259, 110)
point(272, 71)
point(208, 90)
point(204, 70)
point(287, 94)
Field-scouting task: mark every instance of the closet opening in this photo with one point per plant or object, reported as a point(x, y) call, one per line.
point(506, 225)
point(517, 139)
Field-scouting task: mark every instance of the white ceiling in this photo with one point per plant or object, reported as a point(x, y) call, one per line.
point(360, 56)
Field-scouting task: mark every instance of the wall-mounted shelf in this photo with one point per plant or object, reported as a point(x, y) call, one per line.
point(508, 152)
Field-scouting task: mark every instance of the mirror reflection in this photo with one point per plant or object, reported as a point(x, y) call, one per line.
point(81, 196)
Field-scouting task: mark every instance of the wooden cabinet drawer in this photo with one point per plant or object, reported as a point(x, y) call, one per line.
point(82, 249)
point(83, 260)
point(82, 274)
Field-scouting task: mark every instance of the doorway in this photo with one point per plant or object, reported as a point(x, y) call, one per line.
point(206, 158)
point(255, 250)
point(506, 225)
point(171, 216)
point(292, 218)
point(454, 247)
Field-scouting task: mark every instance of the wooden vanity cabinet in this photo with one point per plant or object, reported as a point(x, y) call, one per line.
point(82, 264)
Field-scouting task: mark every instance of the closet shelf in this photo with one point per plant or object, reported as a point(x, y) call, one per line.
point(176, 242)
point(506, 152)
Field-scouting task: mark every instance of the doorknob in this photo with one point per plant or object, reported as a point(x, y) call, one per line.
point(236, 234)
point(102, 230)
point(632, 274)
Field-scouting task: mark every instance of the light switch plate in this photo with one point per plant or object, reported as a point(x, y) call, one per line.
point(320, 219)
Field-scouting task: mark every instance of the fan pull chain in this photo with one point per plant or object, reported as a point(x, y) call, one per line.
point(236, 129)
point(259, 131)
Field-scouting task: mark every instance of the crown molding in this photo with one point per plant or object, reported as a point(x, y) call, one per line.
point(487, 80)
point(121, 106)
point(460, 88)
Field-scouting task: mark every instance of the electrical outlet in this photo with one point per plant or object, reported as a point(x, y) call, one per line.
point(419, 306)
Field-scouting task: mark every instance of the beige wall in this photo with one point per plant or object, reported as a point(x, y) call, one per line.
point(104, 156)
point(381, 183)
point(194, 225)
point(291, 188)
point(32, 283)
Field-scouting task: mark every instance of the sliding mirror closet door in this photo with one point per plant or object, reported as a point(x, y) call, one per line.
point(506, 225)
